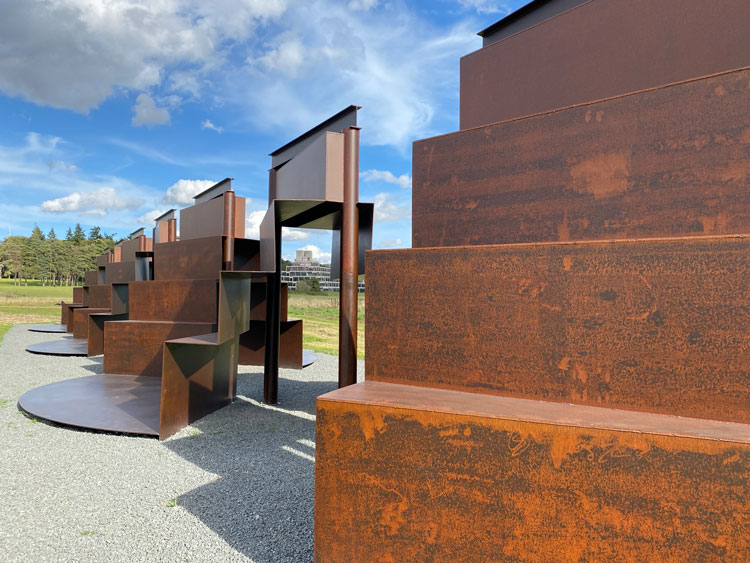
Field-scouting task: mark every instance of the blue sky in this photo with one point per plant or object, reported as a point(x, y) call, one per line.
point(112, 111)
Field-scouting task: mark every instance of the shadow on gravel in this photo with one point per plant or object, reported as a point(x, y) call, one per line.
point(261, 502)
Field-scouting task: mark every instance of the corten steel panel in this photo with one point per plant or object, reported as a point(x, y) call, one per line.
point(77, 295)
point(315, 173)
point(669, 162)
point(120, 299)
point(258, 301)
point(91, 278)
point(188, 259)
point(602, 49)
point(119, 272)
point(246, 255)
point(128, 248)
point(81, 321)
point(207, 219)
point(99, 296)
point(253, 344)
point(96, 330)
point(200, 373)
point(657, 325)
point(410, 474)
point(104, 259)
point(176, 300)
point(68, 309)
point(135, 347)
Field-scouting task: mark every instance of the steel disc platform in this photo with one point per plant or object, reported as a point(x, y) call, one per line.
point(112, 403)
point(308, 358)
point(48, 328)
point(62, 347)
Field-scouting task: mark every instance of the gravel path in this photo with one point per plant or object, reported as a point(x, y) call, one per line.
point(242, 477)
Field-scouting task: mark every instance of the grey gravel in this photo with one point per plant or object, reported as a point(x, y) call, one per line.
point(242, 477)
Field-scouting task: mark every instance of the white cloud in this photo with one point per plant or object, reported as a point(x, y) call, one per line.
point(252, 224)
point(362, 4)
point(287, 58)
point(486, 6)
point(318, 254)
point(150, 217)
point(182, 192)
point(389, 208)
point(100, 202)
point(147, 113)
point(207, 124)
point(94, 48)
point(391, 243)
point(62, 166)
point(294, 234)
point(403, 181)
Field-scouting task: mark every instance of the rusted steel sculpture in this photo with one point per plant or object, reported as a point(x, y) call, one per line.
point(174, 358)
point(106, 287)
point(313, 184)
point(558, 370)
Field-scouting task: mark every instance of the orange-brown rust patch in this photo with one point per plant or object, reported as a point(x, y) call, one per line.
point(602, 176)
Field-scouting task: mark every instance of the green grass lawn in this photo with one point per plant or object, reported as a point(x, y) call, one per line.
point(32, 303)
point(320, 316)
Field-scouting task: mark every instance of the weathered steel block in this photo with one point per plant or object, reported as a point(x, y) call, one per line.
point(98, 296)
point(253, 344)
point(120, 272)
point(188, 259)
point(405, 473)
point(81, 321)
point(136, 347)
point(602, 49)
point(177, 300)
point(652, 325)
point(629, 167)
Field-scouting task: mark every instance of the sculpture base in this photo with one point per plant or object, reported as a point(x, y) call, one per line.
point(63, 347)
point(112, 403)
point(49, 328)
point(308, 358)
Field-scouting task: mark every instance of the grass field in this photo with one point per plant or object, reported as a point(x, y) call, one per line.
point(33, 303)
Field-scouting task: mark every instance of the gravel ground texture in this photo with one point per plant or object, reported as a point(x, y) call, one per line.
point(237, 485)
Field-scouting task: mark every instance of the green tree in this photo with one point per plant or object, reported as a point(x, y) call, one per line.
point(51, 234)
point(36, 233)
point(78, 235)
point(95, 233)
point(69, 234)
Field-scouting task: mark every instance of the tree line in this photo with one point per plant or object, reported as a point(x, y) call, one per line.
point(50, 259)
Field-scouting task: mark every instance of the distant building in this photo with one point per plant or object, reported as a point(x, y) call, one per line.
point(305, 267)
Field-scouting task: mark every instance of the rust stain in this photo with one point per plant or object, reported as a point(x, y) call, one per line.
point(602, 176)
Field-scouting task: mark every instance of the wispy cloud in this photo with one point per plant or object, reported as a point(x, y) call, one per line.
point(147, 152)
point(207, 124)
point(402, 181)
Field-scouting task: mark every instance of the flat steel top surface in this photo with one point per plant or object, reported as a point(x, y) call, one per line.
point(113, 403)
point(62, 347)
point(412, 397)
point(48, 328)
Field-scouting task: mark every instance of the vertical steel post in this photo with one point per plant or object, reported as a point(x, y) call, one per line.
point(349, 261)
point(229, 228)
point(273, 309)
point(172, 230)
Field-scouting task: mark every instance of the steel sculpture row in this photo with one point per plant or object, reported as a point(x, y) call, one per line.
point(175, 315)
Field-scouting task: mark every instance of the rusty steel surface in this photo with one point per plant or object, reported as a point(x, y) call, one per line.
point(602, 49)
point(96, 331)
point(623, 168)
point(175, 300)
point(400, 479)
point(206, 219)
point(253, 344)
point(349, 265)
point(188, 259)
point(135, 347)
point(91, 278)
point(81, 321)
point(655, 325)
point(98, 296)
point(119, 272)
point(67, 314)
point(113, 403)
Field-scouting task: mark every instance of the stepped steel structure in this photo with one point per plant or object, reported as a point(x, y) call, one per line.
point(175, 315)
point(558, 370)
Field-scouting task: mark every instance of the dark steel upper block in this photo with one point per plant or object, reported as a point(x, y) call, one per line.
point(601, 49)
